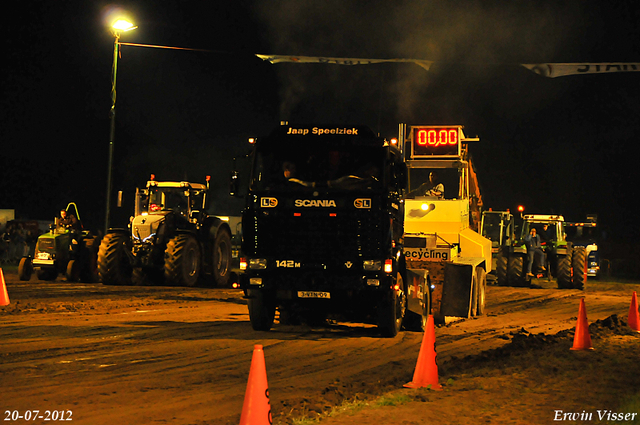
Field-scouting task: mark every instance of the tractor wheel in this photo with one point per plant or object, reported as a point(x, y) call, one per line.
point(113, 264)
point(515, 275)
point(182, 261)
point(262, 309)
point(392, 309)
point(222, 258)
point(565, 272)
point(25, 269)
point(89, 269)
point(73, 271)
point(481, 279)
point(579, 268)
point(501, 270)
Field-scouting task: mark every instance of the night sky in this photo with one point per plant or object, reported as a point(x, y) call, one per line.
point(564, 145)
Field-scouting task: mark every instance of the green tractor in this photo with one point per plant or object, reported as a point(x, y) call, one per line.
point(63, 251)
point(171, 240)
point(563, 261)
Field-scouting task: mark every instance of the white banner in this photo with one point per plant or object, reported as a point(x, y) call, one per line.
point(340, 61)
point(553, 70)
point(550, 70)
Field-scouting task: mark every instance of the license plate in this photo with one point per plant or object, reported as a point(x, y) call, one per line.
point(313, 294)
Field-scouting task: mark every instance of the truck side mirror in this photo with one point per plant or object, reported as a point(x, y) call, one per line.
point(234, 183)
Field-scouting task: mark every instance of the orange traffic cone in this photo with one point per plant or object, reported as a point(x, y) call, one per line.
point(4, 295)
point(426, 373)
point(582, 339)
point(634, 316)
point(256, 409)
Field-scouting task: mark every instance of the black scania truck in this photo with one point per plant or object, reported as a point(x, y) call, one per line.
point(322, 228)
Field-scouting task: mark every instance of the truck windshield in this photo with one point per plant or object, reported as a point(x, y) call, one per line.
point(335, 167)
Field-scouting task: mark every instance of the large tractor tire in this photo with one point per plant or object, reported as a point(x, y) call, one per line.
point(182, 261)
point(502, 268)
point(392, 309)
point(25, 269)
point(579, 268)
point(89, 269)
point(565, 272)
point(516, 273)
point(262, 309)
point(113, 265)
point(222, 258)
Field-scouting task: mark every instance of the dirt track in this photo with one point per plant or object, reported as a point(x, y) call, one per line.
point(182, 356)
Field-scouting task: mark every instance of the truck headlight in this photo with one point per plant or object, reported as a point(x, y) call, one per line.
point(371, 265)
point(257, 263)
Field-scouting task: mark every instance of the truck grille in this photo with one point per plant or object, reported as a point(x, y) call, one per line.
point(316, 236)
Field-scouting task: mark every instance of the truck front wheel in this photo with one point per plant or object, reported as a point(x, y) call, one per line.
point(392, 308)
point(262, 309)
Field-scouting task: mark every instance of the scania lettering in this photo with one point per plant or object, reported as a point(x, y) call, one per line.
point(315, 203)
point(331, 244)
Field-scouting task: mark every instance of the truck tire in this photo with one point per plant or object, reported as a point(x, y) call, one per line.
point(262, 309)
point(501, 270)
point(481, 279)
point(515, 275)
point(25, 269)
point(113, 265)
point(182, 261)
point(565, 272)
point(392, 309)
point(579, 268)
point(222, 258)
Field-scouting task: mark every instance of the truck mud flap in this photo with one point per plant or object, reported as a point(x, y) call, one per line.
point(456, 291)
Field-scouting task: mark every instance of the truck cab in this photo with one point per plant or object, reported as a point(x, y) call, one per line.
point(322, 227)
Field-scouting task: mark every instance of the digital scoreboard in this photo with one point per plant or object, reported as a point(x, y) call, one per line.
point(429, 141)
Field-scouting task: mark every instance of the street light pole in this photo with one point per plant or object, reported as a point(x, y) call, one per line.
point(112, 131)
point(120, 25)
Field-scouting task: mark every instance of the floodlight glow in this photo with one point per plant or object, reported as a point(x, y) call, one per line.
point(123, 25)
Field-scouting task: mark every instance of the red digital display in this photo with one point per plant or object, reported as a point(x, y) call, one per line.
point(435, 141)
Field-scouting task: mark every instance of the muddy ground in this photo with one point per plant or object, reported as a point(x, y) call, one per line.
point(154, 355)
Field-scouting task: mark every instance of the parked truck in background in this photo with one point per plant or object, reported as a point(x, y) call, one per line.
point(322, 228)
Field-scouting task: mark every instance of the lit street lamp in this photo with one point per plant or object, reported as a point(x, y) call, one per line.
point(118, 27)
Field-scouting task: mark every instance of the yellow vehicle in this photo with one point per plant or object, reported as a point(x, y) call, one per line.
point(446, 259)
